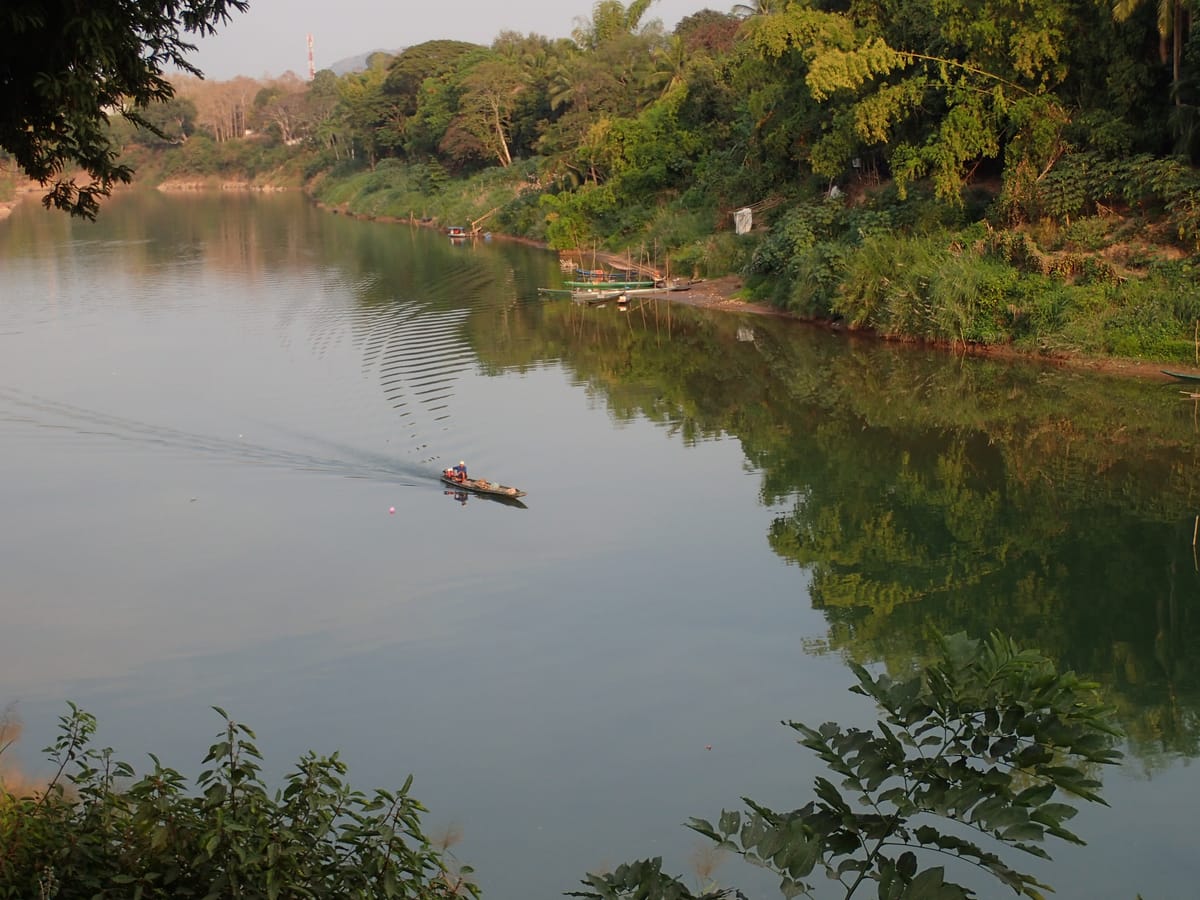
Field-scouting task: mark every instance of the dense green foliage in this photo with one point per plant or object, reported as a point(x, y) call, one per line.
point(98, 830)
point(923, 170)
point(983, 748)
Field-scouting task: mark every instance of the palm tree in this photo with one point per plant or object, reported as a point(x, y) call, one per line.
point(758, 8)
point(1173, 26)
point(670, 63)
point(610, 19)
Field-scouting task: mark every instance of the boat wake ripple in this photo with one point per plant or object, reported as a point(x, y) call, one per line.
point(30, 411)
point(418, 356)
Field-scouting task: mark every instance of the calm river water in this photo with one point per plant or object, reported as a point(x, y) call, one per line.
point(221, 419)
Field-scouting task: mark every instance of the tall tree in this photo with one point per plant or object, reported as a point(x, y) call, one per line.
point(610, 19)
point(537, 58)
point(486, 107)
point(1172, 20)
point(283, 106)
point(708, 31)
point(425, 74)
point(363, 107)
point(322, 105)
point(65, 66)
point(617, 78)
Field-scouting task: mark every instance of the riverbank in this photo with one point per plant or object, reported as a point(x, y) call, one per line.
point(26, 189)
point(184, 185)
point(727, 293)
point(20, 193)
point(1111, 292)
point(724, 294)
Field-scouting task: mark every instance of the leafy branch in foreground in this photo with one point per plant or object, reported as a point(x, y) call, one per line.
point(986, 746)
point(86, 836)
point(67, 67)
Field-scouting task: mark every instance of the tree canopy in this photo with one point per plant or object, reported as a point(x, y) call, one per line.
point(67, 67)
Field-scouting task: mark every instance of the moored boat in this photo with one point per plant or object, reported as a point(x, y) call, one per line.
point(597, 296)
point(609, 285)
point(609, 276)
point(1183, 376)
point(603, 296)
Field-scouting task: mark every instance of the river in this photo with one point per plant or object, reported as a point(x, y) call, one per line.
point(223, 418)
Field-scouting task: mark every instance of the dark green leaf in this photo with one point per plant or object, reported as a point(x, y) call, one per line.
point(1035, 796)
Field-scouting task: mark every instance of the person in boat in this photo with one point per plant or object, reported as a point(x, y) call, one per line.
point(460, 471)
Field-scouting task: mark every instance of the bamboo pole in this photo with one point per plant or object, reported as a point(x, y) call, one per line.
point(1195, 559)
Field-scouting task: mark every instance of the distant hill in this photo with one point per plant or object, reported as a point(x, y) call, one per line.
point(355, 63)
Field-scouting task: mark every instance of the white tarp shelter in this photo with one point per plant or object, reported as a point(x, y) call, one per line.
point(743, 220)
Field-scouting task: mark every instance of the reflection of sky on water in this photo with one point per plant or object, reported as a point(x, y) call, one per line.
point(527, 665)
point(203, 460)
point(205, 490)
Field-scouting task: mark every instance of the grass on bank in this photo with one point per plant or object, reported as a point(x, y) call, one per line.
point(203, 161)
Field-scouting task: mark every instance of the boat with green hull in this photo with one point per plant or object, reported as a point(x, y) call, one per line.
point(609, 285)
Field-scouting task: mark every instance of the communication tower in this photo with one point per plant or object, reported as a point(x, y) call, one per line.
point(312, 69)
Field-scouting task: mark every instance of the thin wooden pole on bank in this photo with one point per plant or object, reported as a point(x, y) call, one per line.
point(1195, 560)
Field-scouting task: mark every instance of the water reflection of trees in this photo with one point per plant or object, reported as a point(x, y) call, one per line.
point(923, 491)
point(919, 491)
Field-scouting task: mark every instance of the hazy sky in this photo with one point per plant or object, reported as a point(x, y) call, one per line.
point(272, 37)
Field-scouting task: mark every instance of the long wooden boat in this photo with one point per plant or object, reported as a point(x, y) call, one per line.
point(597, 293)
point(459, 493)
point(609, 276)
point(482, 486)
point(606, 295)
point(596, 296)
point(1182, 376)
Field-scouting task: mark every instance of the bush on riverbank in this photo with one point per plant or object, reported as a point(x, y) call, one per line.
point(201, 161)
point(495, 199)
point(1105, 286)
point(98, 830)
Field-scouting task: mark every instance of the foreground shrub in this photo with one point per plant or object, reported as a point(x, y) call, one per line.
point(981, 749)
point(97, 831)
